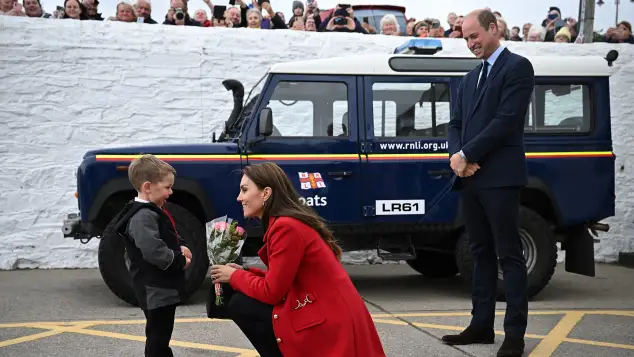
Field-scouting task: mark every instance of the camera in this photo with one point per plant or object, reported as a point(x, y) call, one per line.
point(341, 17)
point(340, 21)
point(179, 14)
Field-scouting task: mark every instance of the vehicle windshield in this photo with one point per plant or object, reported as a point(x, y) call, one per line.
point(234, 128)
point(374, 17)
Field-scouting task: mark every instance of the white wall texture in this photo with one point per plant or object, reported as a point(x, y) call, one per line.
point(69, 86)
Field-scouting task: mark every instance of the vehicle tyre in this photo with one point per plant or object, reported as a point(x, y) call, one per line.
point(540, 252)
point(112, 262)
point(434, 265)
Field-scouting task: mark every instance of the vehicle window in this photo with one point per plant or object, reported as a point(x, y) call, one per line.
point(309, 109)
point(374, 18)
point(559, 109)
point(410, 109)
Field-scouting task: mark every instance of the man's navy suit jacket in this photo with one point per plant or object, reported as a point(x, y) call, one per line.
point(489, 128)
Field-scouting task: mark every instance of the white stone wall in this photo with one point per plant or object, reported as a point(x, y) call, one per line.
point(69, 86)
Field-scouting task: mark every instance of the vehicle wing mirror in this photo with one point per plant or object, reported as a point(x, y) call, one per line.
point(266, 122)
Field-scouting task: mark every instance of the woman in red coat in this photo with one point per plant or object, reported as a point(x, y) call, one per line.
point(304, 304)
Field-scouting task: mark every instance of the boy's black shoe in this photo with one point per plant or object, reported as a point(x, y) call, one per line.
point(469, 336)
point(511, 347)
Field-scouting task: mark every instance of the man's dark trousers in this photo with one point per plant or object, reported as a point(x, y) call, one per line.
point(492, 221)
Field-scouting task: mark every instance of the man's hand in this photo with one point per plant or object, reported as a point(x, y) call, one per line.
point(186, 252)
point(470, 170)
point(458, 164)
point(187, 262)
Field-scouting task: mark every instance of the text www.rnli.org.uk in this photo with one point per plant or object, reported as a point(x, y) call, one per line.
point(415, 146)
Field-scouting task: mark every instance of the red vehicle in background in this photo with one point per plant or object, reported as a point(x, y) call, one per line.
point(372, 11)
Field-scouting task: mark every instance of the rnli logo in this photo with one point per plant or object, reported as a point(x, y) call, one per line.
point(311, 180)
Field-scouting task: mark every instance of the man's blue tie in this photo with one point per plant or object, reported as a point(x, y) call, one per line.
point(483, 77)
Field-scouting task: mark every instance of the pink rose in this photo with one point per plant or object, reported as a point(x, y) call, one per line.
point(221, 226)
point(240, 231)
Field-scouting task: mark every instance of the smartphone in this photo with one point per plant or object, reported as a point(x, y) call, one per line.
point(551, 17)
point(560, 23)
point(219, 11)
point(232, 2)
point(344, 6)
point(435, 25)
point(366, 20)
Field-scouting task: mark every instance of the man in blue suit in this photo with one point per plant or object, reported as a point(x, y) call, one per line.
point(486, 147)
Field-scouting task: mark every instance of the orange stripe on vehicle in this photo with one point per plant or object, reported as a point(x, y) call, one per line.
point(170, 157)
point(306, 157)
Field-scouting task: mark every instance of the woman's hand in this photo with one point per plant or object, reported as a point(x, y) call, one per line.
point(221, 273)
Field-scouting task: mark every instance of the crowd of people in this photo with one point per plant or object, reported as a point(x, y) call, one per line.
point(309, 17)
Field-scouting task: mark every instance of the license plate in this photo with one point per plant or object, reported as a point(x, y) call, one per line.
point(399, 207)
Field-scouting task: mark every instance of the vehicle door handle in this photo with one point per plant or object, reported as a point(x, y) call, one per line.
point(340, 174)
point(443, 172)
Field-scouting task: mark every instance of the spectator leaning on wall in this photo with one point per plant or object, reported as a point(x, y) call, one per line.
point(92, 8)
point(126, 12)
point(144, 10)
point(342, 20)
point(621, 34)
point(73, 9)
point(177, 14)
point(29, 8)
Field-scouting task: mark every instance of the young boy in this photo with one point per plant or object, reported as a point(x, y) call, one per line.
point(156, 253)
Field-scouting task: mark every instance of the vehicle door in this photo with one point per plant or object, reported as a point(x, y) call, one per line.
point(406, 141)
point(315, 141)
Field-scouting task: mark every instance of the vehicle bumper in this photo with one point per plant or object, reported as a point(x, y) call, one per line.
point(74, 227)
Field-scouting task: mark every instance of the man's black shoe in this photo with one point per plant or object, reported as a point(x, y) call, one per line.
point(469, 336)
point(511, 347)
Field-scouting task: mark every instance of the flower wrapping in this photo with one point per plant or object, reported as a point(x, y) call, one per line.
point(224, 244)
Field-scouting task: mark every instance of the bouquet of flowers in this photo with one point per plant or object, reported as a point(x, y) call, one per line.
point(224, 243)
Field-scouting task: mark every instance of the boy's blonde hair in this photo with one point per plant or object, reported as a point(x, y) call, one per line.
point(148, 168)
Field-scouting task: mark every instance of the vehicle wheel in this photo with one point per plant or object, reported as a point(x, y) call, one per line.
point(539, 247)
point(434, 265)
point(112, 262)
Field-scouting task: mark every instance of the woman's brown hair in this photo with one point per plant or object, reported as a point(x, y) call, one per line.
point(284, 201)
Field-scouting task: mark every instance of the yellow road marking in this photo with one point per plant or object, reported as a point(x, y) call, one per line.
point(624, 313)
point(598, 343)
point(29, 338)
point(201, 346)
point(557, 335)
point(546, 347)
point(391, 322)
point(501, 313)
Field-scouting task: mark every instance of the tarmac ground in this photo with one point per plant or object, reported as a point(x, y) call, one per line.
point(72, 313)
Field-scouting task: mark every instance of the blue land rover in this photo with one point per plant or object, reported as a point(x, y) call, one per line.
point(364, 140)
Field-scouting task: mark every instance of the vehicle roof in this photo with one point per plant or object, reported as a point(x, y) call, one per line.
point(378, 65)
point(327, 4)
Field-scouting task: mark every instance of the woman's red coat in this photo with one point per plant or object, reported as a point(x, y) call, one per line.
point(317, 311)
